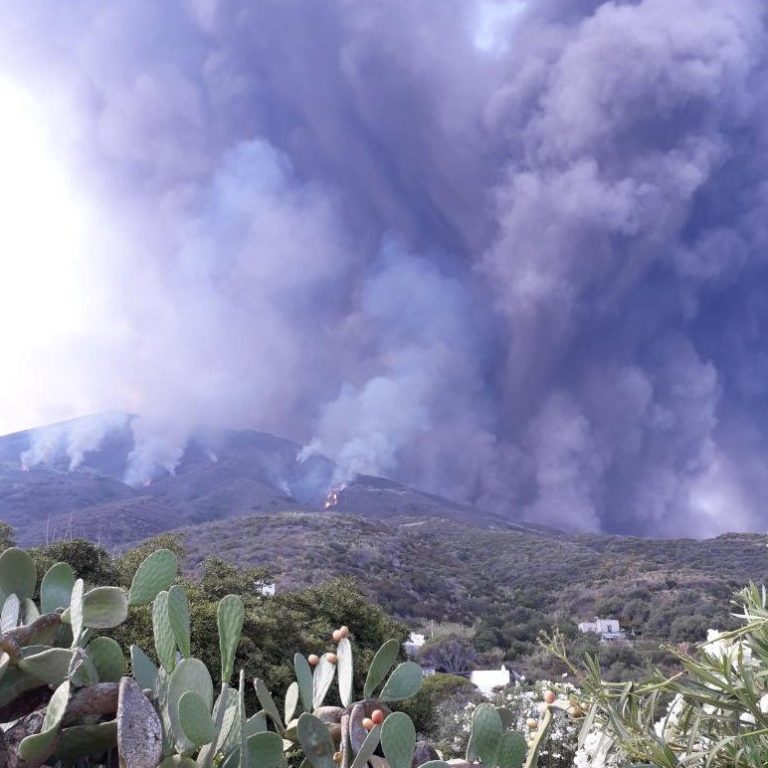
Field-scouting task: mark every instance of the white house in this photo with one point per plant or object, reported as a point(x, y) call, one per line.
point(414, 643)
point(608, 629)
point(267, 589)
point(488, 679)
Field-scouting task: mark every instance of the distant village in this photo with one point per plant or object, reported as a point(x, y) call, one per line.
point(489, 680)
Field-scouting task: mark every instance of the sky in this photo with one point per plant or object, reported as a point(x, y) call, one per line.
point(511, 253)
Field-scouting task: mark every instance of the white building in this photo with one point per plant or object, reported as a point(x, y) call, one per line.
point(489, 679)
point(414, 642)
point(608, 629)
point(267, 589)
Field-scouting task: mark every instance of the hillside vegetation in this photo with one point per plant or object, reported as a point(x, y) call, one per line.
point(507, 584)
point(489, 581)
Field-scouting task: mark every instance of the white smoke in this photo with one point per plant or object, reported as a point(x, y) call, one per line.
point(71, 440)
point(158, 447)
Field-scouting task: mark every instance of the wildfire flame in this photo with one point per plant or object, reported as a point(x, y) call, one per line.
point(332, 500)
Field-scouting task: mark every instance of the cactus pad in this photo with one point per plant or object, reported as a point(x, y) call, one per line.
point(316, 741)
point(165, 642)
point(398, 740)
point(512, 750)
point(143, 668)
point(382, 662)
point(404, 682)
point(18, 574)
point(37, 748)
point(321, 680)
point(344, 654)
point(189, 675)
point(487, 730)
point(105, 607)
point(195, 719)
point(291, 702)
point(178, 616)
point(56, 587)
point(51, 666)
point(268, 703)
point(265, 750)
point(304, 680)
point(229, 616)
point(153, 576)
point(107, 657)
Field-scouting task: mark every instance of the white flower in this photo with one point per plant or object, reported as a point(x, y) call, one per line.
point(719, 648)
point(667, 726)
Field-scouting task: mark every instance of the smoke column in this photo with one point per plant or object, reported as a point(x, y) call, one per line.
point(510, 253)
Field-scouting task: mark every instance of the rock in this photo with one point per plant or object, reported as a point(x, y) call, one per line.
point(139, 731)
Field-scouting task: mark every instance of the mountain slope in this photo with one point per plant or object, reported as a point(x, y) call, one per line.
point(69, 479)
point(243, 496)
point(433, 568)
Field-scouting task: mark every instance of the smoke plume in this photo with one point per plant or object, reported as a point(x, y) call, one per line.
point(513, 253)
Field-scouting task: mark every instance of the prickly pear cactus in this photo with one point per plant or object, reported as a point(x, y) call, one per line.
point(62, 686)
point(69, 703)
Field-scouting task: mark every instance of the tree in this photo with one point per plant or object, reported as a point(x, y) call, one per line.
point(453, 655)
point(89, 561)
point(127, 563)
point(7, 536)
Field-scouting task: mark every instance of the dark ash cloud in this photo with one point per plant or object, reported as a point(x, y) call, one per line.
point(515, 255)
